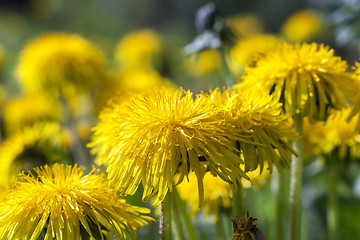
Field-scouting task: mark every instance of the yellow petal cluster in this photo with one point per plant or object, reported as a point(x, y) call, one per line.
point(160, 133)
point(336, 134)
point(204, 62)
point(246, 25)
point(303, 25)
point(354, 94)
point(60, 63)
point(217, 193)
point(63, 203)
point(28, 109)
point(138, 48)
point(257, 123)
point(306, 78)
point(247, 48)
point(31, 146)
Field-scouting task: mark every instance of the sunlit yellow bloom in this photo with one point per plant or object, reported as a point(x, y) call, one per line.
point(354, 94)
point(162, 132)
point(204, 62)
point(31, 146)
point(246, 25)
point(28, 109)
point(217, 193)
point(257, 177)
point(335, 134)
point(304, 77)
point(132, 81)
point(257, 124)
point(246, 48)
point(63, 203)
point(138, 48)
point(60, 63)
point(303, 25)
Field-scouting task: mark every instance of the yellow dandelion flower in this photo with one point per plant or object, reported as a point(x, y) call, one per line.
point(60, 63)
point(132, 81)
point(246, 25)
point(335, 134)
point(162, 132)
point(204, 62)
point(31, 146)
point(354, 94)
point(63, 203)
point(257, 177)
point(26, 110)
point(245, 49)
point(217, 193)
point(138, 48)
point(258, 125)
point(303, 25)
point(304, 77)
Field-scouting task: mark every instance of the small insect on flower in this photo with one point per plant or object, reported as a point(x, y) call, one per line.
point(63, 203)
point(245, 228)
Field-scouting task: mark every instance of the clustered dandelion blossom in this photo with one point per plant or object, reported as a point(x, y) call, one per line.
point(160, 133)
point(69, 70)
point(258, 126)
point(63, 203)
point(33, 145)
point(34, 107)
point(336, 134)
point(306, 78)
point(303, 25)
point(217, 194)
point(166, 131)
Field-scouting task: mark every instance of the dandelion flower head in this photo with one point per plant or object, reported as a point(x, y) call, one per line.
point(217, 193)
point(246, 25)
point(304, 77)
point(354, 93)
point(60, 63)
point(62, 202)
point(160, 133)
point(130, 82)
point(28, 109)
point(31, 146)
point(303, 25)
point(139, 48)
point(204, 62)
point(246, 49)
point(258, 125)
point(337, 133)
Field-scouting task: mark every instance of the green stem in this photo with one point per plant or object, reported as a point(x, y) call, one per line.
point(296, 184)
point(220, 231)
point(238, 201)
point(332, 211)
point(223, 226)
point(282, 192)
point(165, 218)
point(175, 218)
point(189, 228)
point(76, 147)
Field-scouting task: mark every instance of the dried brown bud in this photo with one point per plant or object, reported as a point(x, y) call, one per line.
point(245, 228)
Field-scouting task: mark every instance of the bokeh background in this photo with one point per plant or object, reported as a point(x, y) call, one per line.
point(105, 23)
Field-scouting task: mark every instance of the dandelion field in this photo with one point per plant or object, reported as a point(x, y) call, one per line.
point(160, 120)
